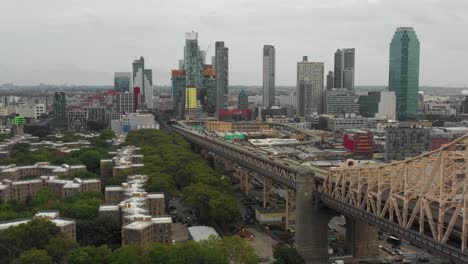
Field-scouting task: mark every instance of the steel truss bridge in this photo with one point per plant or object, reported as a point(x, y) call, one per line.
point(423, 199)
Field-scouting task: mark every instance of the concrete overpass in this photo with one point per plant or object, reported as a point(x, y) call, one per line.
point(422, 199)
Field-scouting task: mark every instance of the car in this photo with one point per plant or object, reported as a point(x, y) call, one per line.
point(423, 260)
point(407, 261)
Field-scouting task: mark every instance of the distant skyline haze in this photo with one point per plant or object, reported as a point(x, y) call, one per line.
point(84, 42)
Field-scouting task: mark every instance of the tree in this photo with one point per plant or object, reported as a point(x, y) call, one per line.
point(161, 182)
point(91, 255)
point(82, 206)
point(98, 231)
point(198, 196)
point(224, 210)
point(189, 252)
point(92, 159)
point(60, 247)
point(127, 255)
point(34, 234)
point(287, 255)
point(96, 125)
point(34, 256)
point(106, 134)
point(234, 248)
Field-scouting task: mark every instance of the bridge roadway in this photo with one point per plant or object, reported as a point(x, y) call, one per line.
point(286, 173)
point(280, 171)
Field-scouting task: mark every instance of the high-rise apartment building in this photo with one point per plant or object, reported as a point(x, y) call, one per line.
point(122, 82)
point(330, 81)
point(193, 61)
point(378, 104)
point(178, 92)
point(344, 69)
point(222, 74)
point(209, 86)
point(309, 87)
point(125, 103)
point(59, 107)
point(148, 92)
point(341, 102)
point(404, 72)
point(138, 73)
point(77, 121)
point(243, 100)
point(268, 76)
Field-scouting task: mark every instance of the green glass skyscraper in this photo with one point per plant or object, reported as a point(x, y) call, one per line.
point(404, 72)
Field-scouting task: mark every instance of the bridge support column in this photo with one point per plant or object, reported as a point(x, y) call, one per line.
point(245, 179)
point(290, 208)
point(361, 239)
point(311, 222)
point(267, 190)
point(196, 148)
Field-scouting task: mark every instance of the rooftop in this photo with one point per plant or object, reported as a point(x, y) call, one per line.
point(199, 233)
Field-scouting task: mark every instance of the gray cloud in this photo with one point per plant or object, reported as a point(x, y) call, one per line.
point(85, 41)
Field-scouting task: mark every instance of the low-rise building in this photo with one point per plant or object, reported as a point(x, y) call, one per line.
point(133, 121)
point(141, 214)
point(404, 142)
point(341, 101)
point(199, 233)
point(125, 160)
point(439, 109)
point(24, 189)
point(15, 173)
point(351, 122)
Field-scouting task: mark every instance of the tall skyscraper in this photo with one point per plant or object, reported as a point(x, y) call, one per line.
point(309, 89)
point(404, 72)
point(330, 81)
point(268, 76)
point(148, 91)
point(193, 61)
point(122, 81)
point(60, 107)
point(209, 89)
point(344, 69)
point(178, 92)
point(138, 73)
point(222, 74)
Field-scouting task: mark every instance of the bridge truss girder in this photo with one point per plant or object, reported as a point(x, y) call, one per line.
point(428, 192)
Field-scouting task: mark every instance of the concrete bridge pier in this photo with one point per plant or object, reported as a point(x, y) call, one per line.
point(361, 239)
point(311, 222)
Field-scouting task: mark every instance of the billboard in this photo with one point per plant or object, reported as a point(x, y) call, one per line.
point(190, 98)
point(18, 120)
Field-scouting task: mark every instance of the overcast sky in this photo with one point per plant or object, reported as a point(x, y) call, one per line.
point(85, 41)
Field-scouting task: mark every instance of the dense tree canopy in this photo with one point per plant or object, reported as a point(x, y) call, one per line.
point(286, 255)
point(227, 250)
point(174, 169)
point(34, 256)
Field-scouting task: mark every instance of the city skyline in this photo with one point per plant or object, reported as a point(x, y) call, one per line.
point(78, 43)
